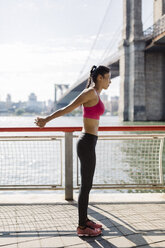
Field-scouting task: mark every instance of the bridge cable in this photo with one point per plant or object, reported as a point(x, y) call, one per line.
point(116, 34)
point(147, 19)
point(111, 44)
point(98, 33)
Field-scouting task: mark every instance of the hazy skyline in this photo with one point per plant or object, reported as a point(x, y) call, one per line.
point(48, 41)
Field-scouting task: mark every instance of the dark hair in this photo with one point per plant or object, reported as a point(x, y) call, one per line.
point(95, 71)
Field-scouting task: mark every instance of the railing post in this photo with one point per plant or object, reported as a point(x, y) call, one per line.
point(68, 166)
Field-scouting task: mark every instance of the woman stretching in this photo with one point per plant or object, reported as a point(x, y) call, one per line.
point(92, 109)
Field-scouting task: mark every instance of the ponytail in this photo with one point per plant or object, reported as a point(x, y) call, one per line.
point(91, 76)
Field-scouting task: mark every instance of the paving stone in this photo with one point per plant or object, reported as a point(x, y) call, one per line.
point(6, 241)
point(10, 246)
point(160, 244)
point(79, 246)
point(121, 242)
point(54, 225)
point(73, 240)
point(156, 236)
point(139, 239)
point(154, 245)
point(51, 242)
point(30, 244)
point(107, 223)
point(105, 243)
point(111, 232)
point(126, 229)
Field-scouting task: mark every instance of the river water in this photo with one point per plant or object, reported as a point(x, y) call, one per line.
point(28, 121)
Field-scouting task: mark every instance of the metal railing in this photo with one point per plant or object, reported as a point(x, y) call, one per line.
point(155, 30)
point(123, 160)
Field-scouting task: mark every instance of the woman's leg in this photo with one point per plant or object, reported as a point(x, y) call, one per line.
point(86, 153)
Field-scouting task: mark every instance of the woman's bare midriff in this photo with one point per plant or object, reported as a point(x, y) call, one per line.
point(90, 126)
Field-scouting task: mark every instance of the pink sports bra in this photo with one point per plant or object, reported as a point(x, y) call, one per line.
point(95, 111)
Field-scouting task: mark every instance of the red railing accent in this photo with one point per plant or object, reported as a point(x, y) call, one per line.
point(74, 129)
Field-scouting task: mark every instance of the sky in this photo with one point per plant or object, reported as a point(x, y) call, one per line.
point(47, 42)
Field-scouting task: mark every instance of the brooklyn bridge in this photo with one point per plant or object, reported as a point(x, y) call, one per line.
point(140, 63)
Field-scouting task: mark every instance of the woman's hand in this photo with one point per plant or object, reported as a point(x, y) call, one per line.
point(41, 122)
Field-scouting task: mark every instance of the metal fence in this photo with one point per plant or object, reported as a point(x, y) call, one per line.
point(156, 29)
point(129, 160)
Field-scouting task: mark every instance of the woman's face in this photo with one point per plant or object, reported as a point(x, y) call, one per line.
point(106, 80)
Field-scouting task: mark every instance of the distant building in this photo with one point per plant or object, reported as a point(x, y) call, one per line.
point(20, 105)
point(104, 98)
point(114, 105)
point(9, 103)
point(3, 108)
point(8, 98)
point(50, 106)
point(33, 106)
point(32, 98)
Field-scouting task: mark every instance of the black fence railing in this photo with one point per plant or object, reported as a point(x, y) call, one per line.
point(156, 29)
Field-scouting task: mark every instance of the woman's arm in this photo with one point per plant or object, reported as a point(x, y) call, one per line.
point(85, 96)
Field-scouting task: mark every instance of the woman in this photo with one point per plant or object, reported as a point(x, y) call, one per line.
point(92, 109)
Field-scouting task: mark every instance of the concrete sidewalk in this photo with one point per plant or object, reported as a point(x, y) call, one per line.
point(47, 221)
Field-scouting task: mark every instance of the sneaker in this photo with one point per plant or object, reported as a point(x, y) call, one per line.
point(92, 224)
point(88, 232)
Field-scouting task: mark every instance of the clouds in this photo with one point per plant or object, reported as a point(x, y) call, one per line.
point(22, 57)
point(37, 21)
point(43, 42)
point(25, 68)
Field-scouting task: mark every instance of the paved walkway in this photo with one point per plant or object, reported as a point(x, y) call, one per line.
point(47, 221)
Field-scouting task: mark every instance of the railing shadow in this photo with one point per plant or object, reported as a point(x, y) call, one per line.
point(127, 230)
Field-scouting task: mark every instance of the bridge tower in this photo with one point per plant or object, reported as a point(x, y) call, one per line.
point(155, 71)
point(159, 9)
point(142, 74)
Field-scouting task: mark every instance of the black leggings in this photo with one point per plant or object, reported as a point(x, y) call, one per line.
point(86, 153)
